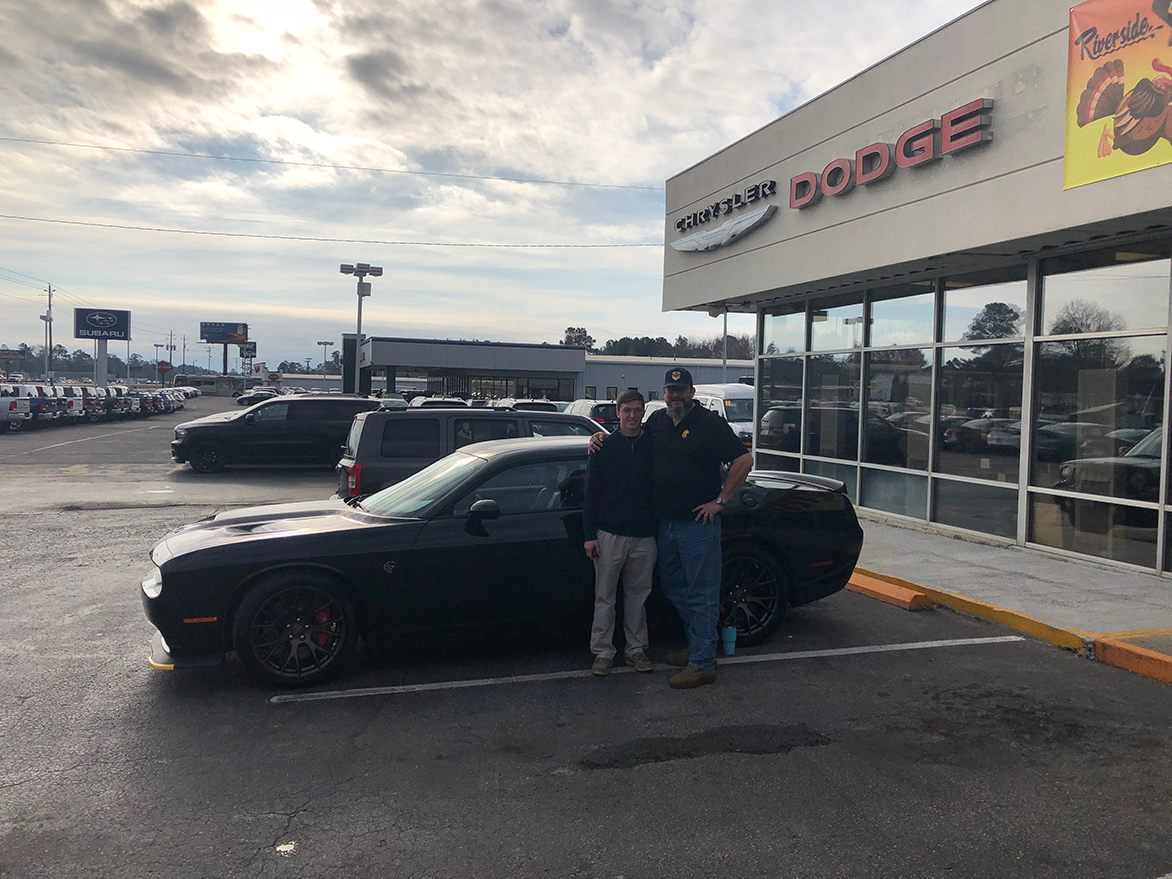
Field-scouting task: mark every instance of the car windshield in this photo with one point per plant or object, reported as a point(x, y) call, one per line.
point(406, 498)
point(739, 410)
point(1148, 447)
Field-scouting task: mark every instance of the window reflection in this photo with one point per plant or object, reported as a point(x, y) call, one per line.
point(847, 474)
point(1125, 296)
point(1111, 531)
point(899, 493)
point(1099, 417)
point(784, 333)
point(832, 329)
point(992, 311)
point(986, 508)
point(978, 412)
point(899, 397)
point(909, 320)
point(832, 418)
point(780, 404)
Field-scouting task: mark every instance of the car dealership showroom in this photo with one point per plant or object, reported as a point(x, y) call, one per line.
point(959, 260)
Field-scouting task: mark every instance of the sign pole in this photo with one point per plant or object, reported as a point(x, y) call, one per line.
point(226, 361)
point(100, 364)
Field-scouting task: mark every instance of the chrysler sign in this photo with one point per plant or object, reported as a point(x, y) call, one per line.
point(101, 323)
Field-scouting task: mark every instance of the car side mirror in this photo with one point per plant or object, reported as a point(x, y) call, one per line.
point(485, 510)
point(250, 418)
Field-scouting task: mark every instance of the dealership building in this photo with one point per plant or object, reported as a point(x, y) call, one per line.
point(960, 265)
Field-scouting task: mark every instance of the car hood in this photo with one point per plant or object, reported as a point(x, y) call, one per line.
point(739, 426)
point(257, 525)
point(218, 418)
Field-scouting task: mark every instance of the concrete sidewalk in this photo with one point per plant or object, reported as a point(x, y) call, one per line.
point(1122, 617)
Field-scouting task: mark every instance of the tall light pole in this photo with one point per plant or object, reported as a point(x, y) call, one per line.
point(209, 359)
point(158, 345)
point(360, 271)
point(325, 349)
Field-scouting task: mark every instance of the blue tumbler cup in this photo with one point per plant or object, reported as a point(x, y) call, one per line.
point(728, 637)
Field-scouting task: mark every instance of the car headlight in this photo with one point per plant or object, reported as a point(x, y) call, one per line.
point(152, 583)
point(180, 433)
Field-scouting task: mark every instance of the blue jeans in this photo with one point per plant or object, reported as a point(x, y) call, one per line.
point(689, 572)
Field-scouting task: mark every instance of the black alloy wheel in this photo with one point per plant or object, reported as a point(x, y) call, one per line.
point(753, 593)
point(207, 457)
point(295, 629)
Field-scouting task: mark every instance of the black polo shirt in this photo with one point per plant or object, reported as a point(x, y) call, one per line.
point(685, 470)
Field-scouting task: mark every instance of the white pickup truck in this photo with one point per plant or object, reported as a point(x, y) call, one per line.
point(14, 409)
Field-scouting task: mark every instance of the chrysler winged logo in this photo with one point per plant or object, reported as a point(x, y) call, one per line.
point(728, 232)
point(102, 320)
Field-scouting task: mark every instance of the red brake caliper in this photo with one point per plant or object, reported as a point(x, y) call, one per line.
point(322, 616)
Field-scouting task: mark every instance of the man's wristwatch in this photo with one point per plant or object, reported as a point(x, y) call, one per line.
point(720, 500)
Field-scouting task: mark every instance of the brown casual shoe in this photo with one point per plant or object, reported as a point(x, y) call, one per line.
point(679, 658)
point(692, 677)
point(602, 665)
point(639, 661)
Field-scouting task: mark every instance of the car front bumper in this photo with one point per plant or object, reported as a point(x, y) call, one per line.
point(179, 451)
point(160, 657)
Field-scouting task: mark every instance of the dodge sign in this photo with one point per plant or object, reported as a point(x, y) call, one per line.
point(101, 323)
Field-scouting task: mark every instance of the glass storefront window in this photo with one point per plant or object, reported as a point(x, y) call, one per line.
point(909, 320)
point(899, 400)
point(833, 329)
point(1124, 296)
point(832, 410)
point(779, 396)
point(978, 412)
point(1110, 531)
point(1099, 416)
point(785, 463)
point(974, 311)
point(847, 474)
point(985, 508)
point(784, 333)
point(901, 493)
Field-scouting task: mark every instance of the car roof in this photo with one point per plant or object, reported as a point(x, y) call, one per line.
point(523, 447)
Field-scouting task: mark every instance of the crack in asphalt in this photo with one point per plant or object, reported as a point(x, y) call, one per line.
point(756, 739)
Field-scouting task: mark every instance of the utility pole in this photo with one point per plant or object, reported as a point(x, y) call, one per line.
point(171, 354)
point(47, 317)
point(209, 359)
point(307, 359)
point(184, 365)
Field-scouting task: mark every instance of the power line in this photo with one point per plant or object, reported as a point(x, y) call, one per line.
point(21, 298)
point(93, 146)
point(313, 237)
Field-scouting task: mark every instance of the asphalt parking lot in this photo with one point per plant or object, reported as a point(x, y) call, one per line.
point(861, 740)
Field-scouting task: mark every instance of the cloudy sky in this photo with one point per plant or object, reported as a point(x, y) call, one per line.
point(444, 97)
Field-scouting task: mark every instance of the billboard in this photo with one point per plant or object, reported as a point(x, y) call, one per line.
point(248, 350)
point(232, 334)
point(101, 323)
point(1118, 89)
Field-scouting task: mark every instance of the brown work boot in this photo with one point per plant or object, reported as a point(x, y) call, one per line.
point(692, 677)
point(639, 661)
point(601, 665)
point(679, 658)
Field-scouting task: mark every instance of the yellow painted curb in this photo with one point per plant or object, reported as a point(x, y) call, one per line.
point(1069, 639)
point(900, 596)
point(1140, 660)
point(1134, 633)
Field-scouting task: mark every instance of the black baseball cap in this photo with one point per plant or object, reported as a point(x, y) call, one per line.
point(677, 377)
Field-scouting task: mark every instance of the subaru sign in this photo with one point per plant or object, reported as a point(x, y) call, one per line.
point(224, 333)
point(101, 323)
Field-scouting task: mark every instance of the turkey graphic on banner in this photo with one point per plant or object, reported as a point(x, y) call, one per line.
point(1118, 89)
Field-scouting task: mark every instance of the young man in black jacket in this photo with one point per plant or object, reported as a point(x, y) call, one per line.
point(619, 524)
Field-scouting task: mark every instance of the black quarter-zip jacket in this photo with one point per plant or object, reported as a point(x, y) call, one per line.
point(618, 489)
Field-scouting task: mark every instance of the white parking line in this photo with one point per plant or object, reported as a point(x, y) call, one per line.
point(84, 440)
point(585, 673)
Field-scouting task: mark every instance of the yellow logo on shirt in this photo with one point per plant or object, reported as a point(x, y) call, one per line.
point(685, 434)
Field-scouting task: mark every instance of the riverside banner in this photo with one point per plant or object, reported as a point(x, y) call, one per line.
point(1118, 89)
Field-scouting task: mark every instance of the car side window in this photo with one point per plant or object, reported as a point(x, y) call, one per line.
point(312, 411)
point(531, 488)
point(411, 438)
point(559, 428)
point(273, 414)
point(479, 430)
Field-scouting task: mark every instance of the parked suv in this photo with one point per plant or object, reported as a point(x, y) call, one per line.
point(387, 446)
point(601, 412)
point(289, 431)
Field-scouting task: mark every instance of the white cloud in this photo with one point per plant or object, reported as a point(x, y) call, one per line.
point(623, 92)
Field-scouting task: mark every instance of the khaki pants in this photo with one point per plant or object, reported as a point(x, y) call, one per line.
point(634, 558)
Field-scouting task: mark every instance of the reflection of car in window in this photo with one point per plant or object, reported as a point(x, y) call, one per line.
point(1134, 475)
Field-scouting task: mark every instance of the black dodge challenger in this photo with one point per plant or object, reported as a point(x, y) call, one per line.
point(489, 537)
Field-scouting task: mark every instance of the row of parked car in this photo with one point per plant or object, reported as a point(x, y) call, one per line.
point(25, 406)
